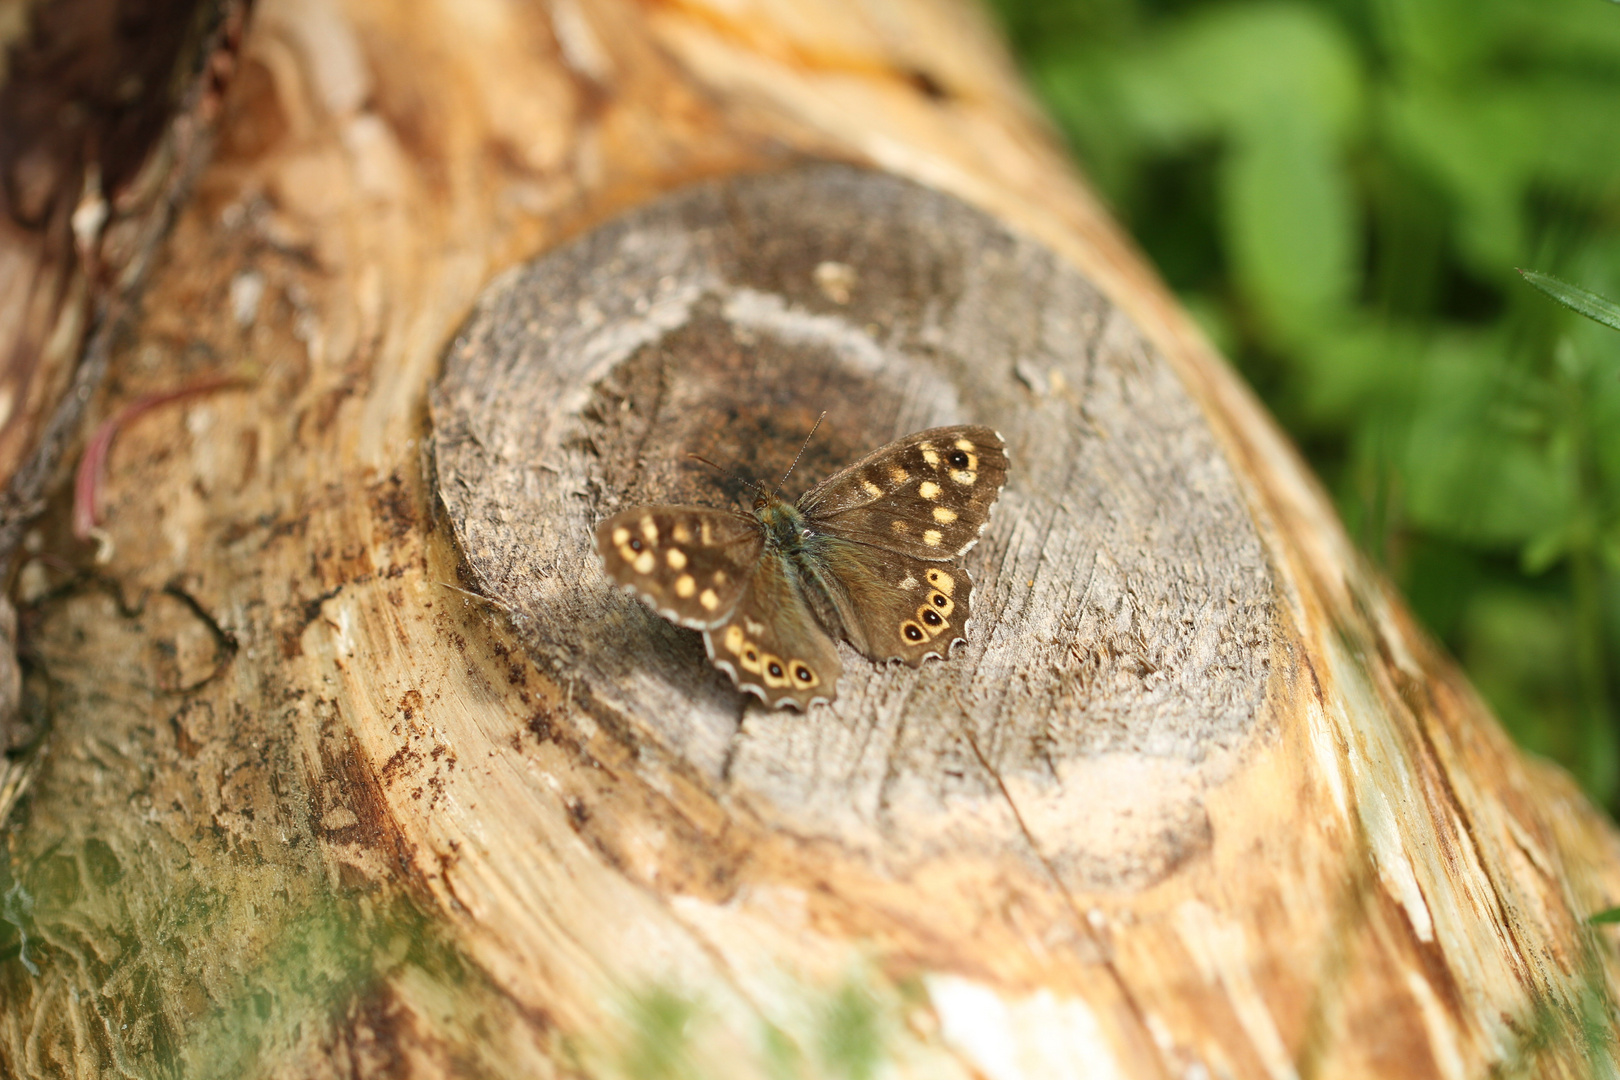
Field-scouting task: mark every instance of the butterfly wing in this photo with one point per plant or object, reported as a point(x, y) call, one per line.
point(894, 606)
point(879, 545)
point(927, 495)
point(691, 564)
point(771, 644)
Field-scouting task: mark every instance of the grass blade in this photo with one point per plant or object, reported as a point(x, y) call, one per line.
point(1590, 304)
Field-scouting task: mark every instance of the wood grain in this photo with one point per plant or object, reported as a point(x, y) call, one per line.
point(333, 787)
point(1126, 609)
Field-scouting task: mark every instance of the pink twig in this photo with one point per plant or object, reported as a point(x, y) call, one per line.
point(92, 474)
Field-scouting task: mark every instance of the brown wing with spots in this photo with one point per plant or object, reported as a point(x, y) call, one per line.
point(688, 563)
point(772, 645)
point(898, 607)
point(928, 495)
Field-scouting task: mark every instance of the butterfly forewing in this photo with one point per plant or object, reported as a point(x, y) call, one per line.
point(927, 495)
point(901, 608)
point(690, 563)
point(772, 645)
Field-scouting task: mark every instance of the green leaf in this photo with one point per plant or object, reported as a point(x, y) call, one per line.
point(1363, 363)
point(1577, 128)
point(1290, 219)
point(1220, 70)
point(1545, 550)
point(1607, 915)
point(1478, 142)
point(1463, 476)
point(1593, 306)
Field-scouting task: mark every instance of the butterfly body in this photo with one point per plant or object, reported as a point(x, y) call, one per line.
point(869, 555)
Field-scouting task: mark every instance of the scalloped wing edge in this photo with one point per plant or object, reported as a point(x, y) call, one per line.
point(757, 691)
point(651, 603)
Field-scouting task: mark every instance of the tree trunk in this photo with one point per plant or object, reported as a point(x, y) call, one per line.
point(357, 764)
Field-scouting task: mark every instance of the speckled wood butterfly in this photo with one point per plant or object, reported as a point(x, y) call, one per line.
point(869, 555)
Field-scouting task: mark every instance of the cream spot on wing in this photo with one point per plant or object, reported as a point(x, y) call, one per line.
point(965, 477)
point(925, 446)
point(928, 489)
point(942, 581)
point(682, 534)
point(899, 475)
point(870, 488)
point(963, 444)
point(734, 639)
point(708, 533)
point(621, 536)
point(644, 563)
point(907, 582)
point(720, 577)
point(685, 586)
point(932, 537)
point(897, 525)
point(677, 558)
point(941, 514)
point(709, 599)
point(929, 455)
point(755, 628)
point(649, 529)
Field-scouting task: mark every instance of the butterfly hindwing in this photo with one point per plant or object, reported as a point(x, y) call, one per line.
point(689, 563)
point(772, 645)
point(901, 608)
point(927, 495)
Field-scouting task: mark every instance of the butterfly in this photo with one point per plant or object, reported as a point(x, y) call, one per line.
point(870, 555)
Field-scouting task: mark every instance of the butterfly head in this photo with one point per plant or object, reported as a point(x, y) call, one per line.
point(768, 504)
point(784, 524)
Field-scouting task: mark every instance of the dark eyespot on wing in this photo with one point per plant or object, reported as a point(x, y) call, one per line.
point(903, 608)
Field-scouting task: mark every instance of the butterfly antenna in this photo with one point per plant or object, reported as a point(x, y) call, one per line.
point(800, 454)
point(724, 472)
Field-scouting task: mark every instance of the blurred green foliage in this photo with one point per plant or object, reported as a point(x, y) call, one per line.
point(1340, 191)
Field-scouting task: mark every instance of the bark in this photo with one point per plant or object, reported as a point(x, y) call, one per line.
point(357, 765)
point(106, 113)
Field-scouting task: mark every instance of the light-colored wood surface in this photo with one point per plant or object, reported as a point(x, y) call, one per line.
point(308, 808)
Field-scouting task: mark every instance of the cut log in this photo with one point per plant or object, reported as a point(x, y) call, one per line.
point(359, 765)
